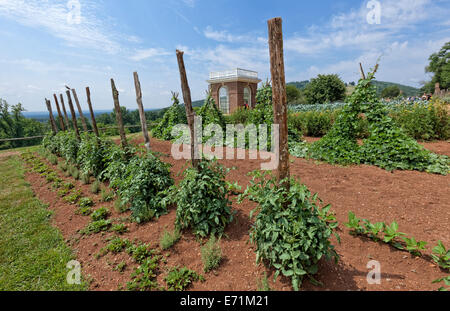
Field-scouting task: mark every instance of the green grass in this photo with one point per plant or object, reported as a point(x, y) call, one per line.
point(33, 255)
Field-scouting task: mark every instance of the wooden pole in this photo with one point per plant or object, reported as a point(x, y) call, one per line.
point(279, 97)
point(137, 85)
point(52, 120)
point(74, 116)
point(64, 110)
point(188, 105)
point(80, 111)
point(363, 76)
point(61, 120)
point(94, 122)
point(119, 119)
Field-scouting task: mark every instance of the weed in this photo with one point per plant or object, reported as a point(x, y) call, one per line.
point(120, 267)
point(168, 239)
point(211, 255)
point(95, 187)
point(86, 179)
point(107, 196)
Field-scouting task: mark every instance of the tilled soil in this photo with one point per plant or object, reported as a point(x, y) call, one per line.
point(419, 202)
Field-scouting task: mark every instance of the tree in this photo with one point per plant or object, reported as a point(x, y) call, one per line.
point(391, 92)
point(325, 89)
point(440, 67)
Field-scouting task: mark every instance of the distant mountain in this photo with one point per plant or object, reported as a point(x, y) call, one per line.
point(380, 85)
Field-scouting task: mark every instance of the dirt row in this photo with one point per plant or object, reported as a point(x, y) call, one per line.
point(419, 202)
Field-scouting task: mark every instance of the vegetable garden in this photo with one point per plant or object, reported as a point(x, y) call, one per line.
point(141, 220)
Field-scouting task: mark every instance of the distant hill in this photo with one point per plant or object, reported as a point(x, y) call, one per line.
point(300, 85)
point(407, 90)
point(380, 85)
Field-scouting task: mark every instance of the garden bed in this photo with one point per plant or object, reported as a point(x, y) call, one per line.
point(419, 202)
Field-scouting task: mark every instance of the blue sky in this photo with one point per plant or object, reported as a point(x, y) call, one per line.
point(42, 49)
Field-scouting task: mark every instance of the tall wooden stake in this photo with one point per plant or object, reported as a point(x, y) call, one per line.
point(137, 85)
point(52, 120)
point(94, 122)
point(363, 76)
point(119, 119)
point(74, 116)
point(279, 95)
point(188, 105)
point(64, 110)
point(61, 121)
point(80, 111)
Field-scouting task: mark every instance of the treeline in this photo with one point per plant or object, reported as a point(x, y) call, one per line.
point(13, 125)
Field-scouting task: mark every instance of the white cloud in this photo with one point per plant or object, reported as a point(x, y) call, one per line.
point(52, 16)
point(148, 53)
point(225, 36)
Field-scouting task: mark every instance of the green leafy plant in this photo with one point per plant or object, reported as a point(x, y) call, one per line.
point(211, 255)
point(391, 234)
point(288, 232)
point(73, 196)
point(202, 200)
point(174, 115)
point(446, 281)
point(115, 246)
point(86, 179)
point(96, 227)
point(441, 256)
point(100, 214)
point(168, 239)
point(119, 228)
point(85, 202)
point(143, 185)
point(179, 279)
point(144, 277)
point(140, 252)
point(84, 211)
point(414, 247)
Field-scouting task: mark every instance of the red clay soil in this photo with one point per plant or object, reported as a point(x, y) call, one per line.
point(419, 202)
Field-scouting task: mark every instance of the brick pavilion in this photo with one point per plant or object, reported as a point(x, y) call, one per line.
point(234, 89)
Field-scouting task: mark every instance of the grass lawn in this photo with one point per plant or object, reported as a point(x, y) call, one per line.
point(33, 255)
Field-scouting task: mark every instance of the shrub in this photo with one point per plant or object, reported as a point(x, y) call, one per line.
point(202, 200)
point(291, 232)
point(92, 154)
point(325, 89)
point(143, 186)
point(180, 279)
point(168, 239)
point(174, 115)
point(211, 255)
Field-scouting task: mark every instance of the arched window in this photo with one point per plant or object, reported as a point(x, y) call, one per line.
point(224, 100)
point(248, 97)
